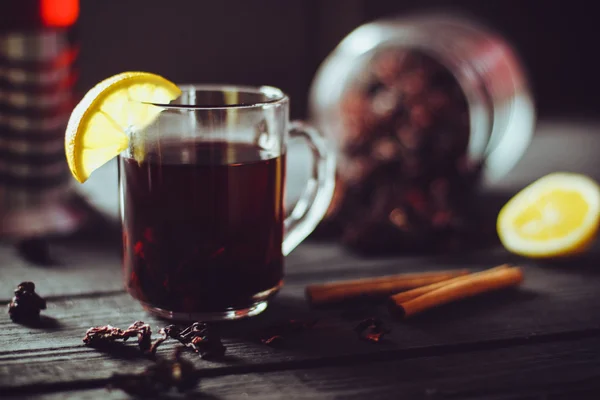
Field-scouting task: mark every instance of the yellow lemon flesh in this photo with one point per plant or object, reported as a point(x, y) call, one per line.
point(99, 125)
point(557, 215)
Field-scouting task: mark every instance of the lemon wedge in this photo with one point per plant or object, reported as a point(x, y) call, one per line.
point(99, 125)
point(557, 215)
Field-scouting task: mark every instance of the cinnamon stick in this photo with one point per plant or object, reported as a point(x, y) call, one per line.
point(407, 305)
point(402, 297)
point(336, 292)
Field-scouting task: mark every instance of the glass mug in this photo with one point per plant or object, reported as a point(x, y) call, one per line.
point(202, 202)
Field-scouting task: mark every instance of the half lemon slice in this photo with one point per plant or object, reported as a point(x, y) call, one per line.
point(99, 125)
point(557, 215)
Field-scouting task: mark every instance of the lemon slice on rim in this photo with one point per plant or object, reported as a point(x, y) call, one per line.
point(557, 215)
point(99, 125)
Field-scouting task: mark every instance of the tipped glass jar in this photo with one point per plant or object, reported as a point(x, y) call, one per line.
point(420, 109)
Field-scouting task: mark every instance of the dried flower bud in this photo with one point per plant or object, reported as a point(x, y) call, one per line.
point(198, 336)
point(102, 335)
point(26, 305)
point(371, 330)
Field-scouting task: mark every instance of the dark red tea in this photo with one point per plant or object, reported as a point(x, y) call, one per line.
point(203, 226)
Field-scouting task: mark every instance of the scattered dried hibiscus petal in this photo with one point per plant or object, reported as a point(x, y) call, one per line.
point(26, 305)
point(197, 336)
point(371, 330)
point(102, 335)
point(275, 335)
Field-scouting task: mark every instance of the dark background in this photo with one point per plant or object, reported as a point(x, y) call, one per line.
point(282, 42)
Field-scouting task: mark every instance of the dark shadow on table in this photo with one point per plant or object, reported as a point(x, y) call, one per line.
point(45, 323)
point(335, 326)
point(179, 396)
point(37, 251)
point(199, 395)
point(473, 308)
point(586, 263)
point(122, 351)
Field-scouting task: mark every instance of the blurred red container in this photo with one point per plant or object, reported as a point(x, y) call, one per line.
point(38, 52)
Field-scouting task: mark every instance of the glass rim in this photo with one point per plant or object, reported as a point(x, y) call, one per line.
point(273, 97)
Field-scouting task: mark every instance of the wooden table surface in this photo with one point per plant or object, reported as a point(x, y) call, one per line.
point(540, 342)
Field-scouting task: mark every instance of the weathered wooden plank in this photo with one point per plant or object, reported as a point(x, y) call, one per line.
point(79, 268)
point(83, 267)
point(558, 298)
point(555, 303)
point(562, 370)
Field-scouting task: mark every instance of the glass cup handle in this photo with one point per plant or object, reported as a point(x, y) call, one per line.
point(316, 196)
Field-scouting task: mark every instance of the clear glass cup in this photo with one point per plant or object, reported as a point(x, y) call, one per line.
point(201, 193)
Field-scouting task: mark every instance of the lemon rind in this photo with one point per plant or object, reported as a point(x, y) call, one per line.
point(575, 241)
point(89, 104)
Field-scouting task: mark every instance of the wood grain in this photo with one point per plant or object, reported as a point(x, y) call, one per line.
point(79, 269)
point(562, 370)
point(553, 304)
